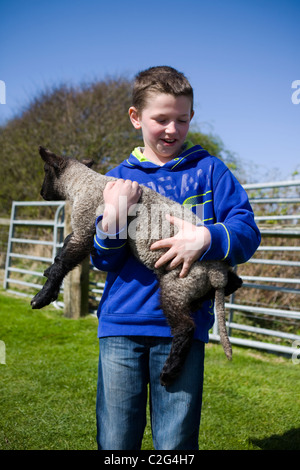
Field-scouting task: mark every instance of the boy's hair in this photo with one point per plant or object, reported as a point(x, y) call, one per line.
point(161, 79)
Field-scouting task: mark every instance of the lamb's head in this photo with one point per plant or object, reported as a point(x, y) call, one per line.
point(53, 188)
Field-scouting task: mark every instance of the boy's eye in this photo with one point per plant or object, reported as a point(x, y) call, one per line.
point(163, 121)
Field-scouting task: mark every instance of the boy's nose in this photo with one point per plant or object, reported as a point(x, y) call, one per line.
point(171, 128)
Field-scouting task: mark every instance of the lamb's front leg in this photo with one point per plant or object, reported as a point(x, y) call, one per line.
point(71, 254)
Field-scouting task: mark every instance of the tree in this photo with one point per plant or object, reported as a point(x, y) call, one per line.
point(86, 121)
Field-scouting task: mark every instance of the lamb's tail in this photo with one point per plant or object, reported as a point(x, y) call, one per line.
point(220, 309)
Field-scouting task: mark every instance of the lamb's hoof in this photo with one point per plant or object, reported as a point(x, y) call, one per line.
point(41, 299)
point(165, 379)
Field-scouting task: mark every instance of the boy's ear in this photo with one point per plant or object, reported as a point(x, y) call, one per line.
point(134, 117)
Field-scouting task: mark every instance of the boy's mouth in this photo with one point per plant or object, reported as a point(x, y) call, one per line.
point(169, 141)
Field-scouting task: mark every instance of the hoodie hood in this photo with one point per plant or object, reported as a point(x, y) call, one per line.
point(179, 179)
point(189, 152)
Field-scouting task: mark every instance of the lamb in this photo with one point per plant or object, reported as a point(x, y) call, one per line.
point(68, 179)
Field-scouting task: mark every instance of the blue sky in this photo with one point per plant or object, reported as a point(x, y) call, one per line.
point(240, 56)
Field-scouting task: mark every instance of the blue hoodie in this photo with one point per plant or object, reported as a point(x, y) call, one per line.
point(130, 304)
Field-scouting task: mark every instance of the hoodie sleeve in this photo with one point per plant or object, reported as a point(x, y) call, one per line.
point(234, 235)
point(110, 251)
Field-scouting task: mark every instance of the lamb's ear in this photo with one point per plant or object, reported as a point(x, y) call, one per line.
point(88, 163)
point(49, 157)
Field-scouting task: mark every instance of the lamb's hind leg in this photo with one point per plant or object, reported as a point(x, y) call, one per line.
point(177, 312)
point(67, 259)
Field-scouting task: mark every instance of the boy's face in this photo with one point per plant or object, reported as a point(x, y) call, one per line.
point(165, 123)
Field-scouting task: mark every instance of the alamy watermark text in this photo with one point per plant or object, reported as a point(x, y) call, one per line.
point(296, 94)
point(2, 92)
point(2, 352)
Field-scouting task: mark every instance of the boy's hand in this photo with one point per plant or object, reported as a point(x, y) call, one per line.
point(119, 197)
point(185, 247)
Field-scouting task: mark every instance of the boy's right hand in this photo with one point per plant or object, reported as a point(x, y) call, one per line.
point(119, 196)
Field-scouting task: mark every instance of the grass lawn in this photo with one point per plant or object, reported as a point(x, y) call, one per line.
point(48, 388)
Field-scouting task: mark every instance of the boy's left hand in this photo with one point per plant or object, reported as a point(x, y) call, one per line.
point(185, 247)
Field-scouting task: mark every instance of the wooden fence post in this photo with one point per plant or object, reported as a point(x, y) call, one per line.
point(76, 283)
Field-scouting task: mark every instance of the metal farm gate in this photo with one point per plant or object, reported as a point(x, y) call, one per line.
point(30, 254)
point(273, 273)
point(22, 256)
point(264, 314)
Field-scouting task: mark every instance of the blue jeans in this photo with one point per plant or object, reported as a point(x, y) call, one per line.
point(126, 366)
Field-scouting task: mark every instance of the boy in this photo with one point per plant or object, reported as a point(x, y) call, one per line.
point(134, 336)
